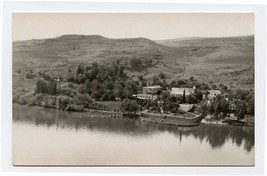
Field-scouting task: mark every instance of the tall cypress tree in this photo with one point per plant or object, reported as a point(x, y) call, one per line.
point(184, 97)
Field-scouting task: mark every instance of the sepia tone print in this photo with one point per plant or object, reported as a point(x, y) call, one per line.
point(133, 89)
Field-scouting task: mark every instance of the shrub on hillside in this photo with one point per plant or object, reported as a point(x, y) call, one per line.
point(29, 75)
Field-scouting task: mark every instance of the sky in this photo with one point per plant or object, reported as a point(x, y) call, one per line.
point(154, 26)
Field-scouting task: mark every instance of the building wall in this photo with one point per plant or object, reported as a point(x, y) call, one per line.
point(180, 91)
point(151, 90)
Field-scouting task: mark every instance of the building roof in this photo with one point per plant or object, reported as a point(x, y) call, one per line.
point(176, 90)
point(156, 86)
point(215, 91)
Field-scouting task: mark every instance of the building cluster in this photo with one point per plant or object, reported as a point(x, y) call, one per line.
point(152, 92)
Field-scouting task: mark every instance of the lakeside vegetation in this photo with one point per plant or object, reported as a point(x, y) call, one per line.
point(92, 86)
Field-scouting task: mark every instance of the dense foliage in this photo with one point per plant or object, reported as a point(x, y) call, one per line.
point(105, 82)
point(96, 82)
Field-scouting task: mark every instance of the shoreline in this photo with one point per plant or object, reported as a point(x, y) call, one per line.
point(87, 113)
point(93, 113)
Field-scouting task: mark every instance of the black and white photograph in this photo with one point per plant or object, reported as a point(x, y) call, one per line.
point(133, 89)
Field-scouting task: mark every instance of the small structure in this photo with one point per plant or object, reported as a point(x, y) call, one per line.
point(180, 91)
point(151, 89)
point(149, 93)
point(146, 96)
point(213, 93)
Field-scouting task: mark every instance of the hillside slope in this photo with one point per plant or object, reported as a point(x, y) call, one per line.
point(228, 60)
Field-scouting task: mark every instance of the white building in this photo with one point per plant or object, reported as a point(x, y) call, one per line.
point(146, 96)
point(151, 89)
point(149, 93)
point(213, 93)
point(180, 91)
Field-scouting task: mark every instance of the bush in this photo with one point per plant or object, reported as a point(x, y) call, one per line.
point(162, 75)
point(111, 97)
point(71, 85)
point(96, 96)
point(84, 100)
point(25, 98)
point(173, 107)
point(29, 75)
point(67, 91)
point(136, 64)
point(191, 99)
point(129, 106)
point(36, 99)
point(51, 102)
point(241, 109)
point(43, 86)
point(77, 108)
point(64, 101)
point(22, 100)
point(105, 97)
point(203, 108)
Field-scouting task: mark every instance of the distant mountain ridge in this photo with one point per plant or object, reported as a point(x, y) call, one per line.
point(208, 59)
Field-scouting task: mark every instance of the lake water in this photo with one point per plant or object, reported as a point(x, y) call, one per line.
point(50, 137)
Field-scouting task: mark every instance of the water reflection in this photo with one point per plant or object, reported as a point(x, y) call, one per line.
point(215, 136)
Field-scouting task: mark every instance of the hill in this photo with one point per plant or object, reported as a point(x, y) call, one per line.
point(215, 60)
point(228, 60)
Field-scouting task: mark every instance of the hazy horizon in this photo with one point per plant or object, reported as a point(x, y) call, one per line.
point(133, 37)
point(154, 26)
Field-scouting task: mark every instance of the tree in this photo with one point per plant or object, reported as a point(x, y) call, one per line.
point(198, 95)
point(107, 86)
point(164, 85)
point(224, 107)
point(96, 96)
point(162, 75)
point(111, 97)
point(219, 105)
point(88, 86)
point(81, 78)
point(29, 75)
point(136, 64)
point(241, 109)
point(130, 88)
point(49, 87)
point(70, 70)
point(191, 99)
point(41, 86)
point(119, 89)
point(52, 87)
point(105, 97)
point(224, 88)
point(203, 107)
point(214, 87)
point(129, 106)
point(80, 70)
point(173, 84)
point(165, 98)
point(240, 94)
point(250, 103)
point(156, 81)
point(173, 107)
point(183, 101)
point(180, 83)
